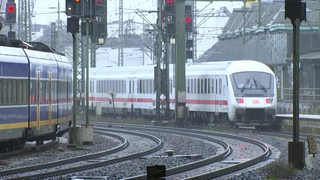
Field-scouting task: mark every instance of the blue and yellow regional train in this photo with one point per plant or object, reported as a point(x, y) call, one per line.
point(35, 93)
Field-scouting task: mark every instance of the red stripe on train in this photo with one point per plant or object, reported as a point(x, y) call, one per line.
point(146, 100)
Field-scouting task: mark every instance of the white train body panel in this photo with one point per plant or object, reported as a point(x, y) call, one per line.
point(235, 88)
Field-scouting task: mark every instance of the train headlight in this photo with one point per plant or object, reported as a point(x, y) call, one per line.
point(240, 100)
point(269, 100)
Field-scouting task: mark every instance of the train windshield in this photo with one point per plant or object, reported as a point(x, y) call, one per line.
point(252, 83)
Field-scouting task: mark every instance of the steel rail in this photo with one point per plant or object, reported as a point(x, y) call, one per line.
point(102, 163)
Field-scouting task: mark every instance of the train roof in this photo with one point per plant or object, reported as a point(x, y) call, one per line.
point(127, 71)
point(15, 52)
point(229, 67)
point(203, 68)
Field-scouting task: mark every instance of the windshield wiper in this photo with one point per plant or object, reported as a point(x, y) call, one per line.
point(244, 85)
point(259, 85)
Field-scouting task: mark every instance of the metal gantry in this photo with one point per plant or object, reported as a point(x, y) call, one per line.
point(120, 48)
point(25, 11)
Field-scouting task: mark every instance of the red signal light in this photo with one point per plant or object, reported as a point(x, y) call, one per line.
point(76, 1)
point(188, 19)
point(170, 1)
point(10, 8)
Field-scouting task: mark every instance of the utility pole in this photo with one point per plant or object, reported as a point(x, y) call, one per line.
point(120, 47)
point(24, 19)
point(295, 10)
point(180, 90)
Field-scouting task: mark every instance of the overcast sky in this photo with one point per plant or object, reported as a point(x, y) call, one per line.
point(46, 11)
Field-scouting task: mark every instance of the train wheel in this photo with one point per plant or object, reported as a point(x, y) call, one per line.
point(212, 119)
point(39, 142)
point(124, 113)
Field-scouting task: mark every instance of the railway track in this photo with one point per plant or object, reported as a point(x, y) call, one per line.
point(206, 168)
point(81, 163)
point(29, 148)
point(209, 167)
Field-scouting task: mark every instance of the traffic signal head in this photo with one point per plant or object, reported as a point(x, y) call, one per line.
point(11, 12)
point(169, 6)
point(73, 24)
point(188, 18)
point(73, 7)
point(101, 8)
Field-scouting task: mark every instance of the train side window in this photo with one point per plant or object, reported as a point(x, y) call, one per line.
point(1, 92)
point(212, 86)
point(46, 90)
point(171, 85)
point(10, 91)
point(105, 86)
point(101, 86)
point(133, 86)
point(220, 86)
point(113, 86)
point(141, 86)
point(21, 99)
point(123, 86)
point(91, 86)
point(209, 86)
point(146, 86)
point(191, 86)
point(149, 86)
point(4, 90)
point(117, 86)
point(97, 84)
point(54, 91)
point(108, 86)
point(49, 85)
point(188, 86)
point(205, 86)
point(14, 91)
point(202, 86)
point(216, 92)
point(18, 91)
point(195, 86)
point(198, 86)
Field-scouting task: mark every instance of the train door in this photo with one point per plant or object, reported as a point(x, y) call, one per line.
point(131, 98)
point(37, 98)
point(215, 95)
point(50, 98)
point(225, 93)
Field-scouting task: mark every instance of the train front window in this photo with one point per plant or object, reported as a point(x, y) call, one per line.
point(252, 82)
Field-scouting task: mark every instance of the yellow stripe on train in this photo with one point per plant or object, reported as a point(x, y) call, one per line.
point(32, 124)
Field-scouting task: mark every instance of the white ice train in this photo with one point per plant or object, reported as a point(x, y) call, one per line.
point(243, 92)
